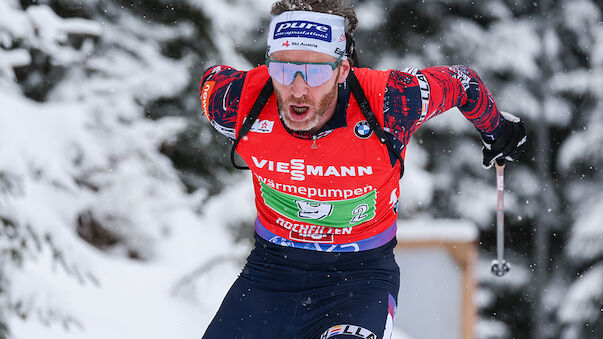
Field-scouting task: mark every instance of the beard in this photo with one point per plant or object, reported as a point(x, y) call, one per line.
point(316, 111)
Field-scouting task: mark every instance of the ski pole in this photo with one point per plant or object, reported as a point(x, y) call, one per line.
point(499, 266)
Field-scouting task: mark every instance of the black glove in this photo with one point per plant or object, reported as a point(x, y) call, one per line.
point(508, 145)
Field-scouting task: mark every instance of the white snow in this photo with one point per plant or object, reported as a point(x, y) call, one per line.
point(451, 121)
point(245, 15)
point(505, 52)
point(12, 59)
point(135, 300)
point(370, 15)
point(426, 229)
point(518, 99)
point(492, 329)
point(558, 112)
point(416, 185)
point(52, 32)
point(580, 146)
point(578, 16)
point(577, 306)
point(587, 234)
point(88, 152)
point(14, 23)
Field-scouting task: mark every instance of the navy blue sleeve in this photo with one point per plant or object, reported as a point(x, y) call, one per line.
point(220, 92)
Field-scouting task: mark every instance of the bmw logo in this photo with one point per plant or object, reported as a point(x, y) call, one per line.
point(362, 129)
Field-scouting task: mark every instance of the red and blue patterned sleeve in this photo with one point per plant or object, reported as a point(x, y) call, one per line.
point(460, 86)
point(220, 92)
point(413, 97)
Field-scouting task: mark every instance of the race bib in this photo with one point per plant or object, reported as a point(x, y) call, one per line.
point(336, 213)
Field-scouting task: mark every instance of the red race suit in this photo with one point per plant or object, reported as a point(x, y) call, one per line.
point(337, 190)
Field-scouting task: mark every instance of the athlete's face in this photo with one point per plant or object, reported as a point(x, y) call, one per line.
point(306, 108)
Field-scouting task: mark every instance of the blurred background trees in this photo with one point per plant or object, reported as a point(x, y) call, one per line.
point(121, 141)
point(541, 61)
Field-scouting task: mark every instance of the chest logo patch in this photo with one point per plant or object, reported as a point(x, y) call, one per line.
point(362, 129)
point(262, 126)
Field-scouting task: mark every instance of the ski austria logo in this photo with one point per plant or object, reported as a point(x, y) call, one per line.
point(362, 129)
point(262, 126)
point(302, 29)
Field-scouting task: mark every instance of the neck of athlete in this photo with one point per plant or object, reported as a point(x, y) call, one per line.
point(329, 112)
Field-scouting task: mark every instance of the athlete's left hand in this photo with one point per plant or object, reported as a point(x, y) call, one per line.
point(510, 143)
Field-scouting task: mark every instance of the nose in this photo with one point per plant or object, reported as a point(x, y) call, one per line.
point(298, 86)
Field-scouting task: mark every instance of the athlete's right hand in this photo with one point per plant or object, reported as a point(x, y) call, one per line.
point(508, 145)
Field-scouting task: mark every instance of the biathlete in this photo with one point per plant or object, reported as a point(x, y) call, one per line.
point(325, 142)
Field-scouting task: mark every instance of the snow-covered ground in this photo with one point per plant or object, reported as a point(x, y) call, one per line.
point(171, 297)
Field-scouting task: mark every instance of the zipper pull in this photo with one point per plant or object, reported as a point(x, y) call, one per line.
point(314, 146)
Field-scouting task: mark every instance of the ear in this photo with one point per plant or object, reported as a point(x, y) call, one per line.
point(344, 70)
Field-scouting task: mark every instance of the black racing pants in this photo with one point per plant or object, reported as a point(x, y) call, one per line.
point(288, 293)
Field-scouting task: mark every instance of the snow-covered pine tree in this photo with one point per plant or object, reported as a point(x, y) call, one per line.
point(78, 158)
point(36, 173)
point(577, 291)
point(503, 41)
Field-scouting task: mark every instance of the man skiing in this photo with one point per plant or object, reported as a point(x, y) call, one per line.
point(326, 142)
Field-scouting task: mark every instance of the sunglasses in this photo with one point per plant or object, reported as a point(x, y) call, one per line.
point(313, 73)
